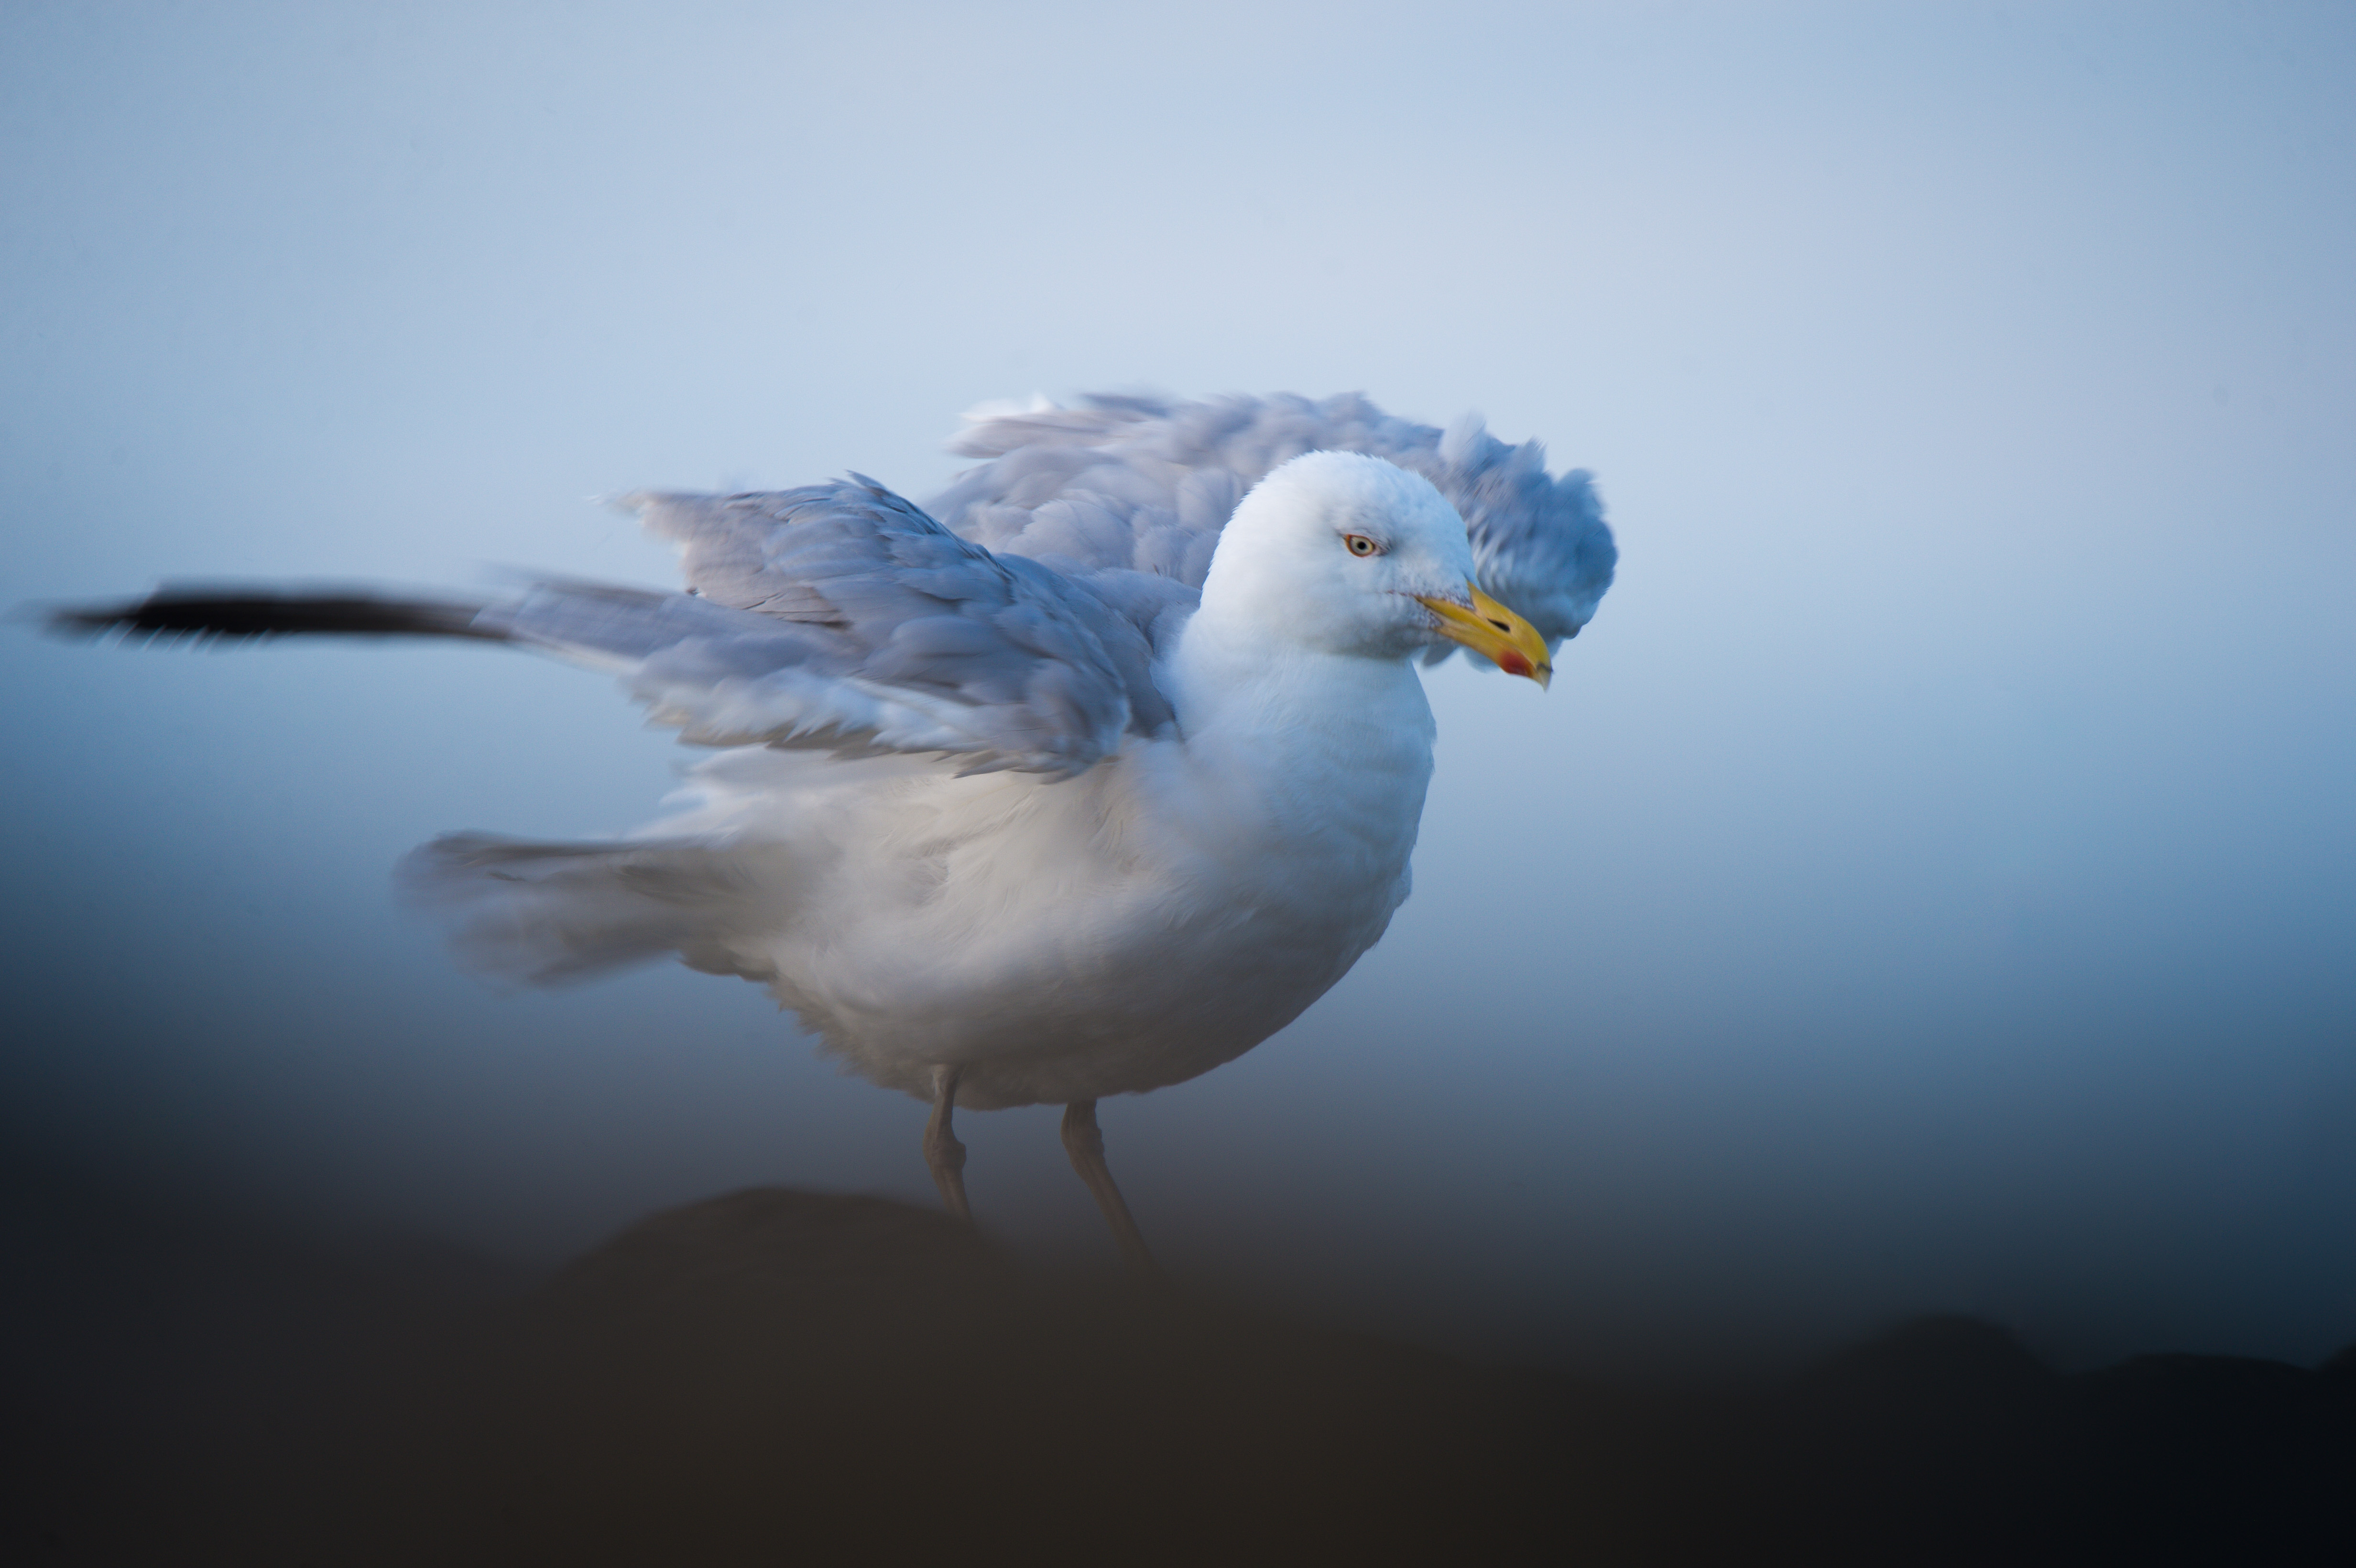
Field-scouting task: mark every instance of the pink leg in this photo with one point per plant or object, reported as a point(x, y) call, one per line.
point(943, 1153)
point(1085, 1144)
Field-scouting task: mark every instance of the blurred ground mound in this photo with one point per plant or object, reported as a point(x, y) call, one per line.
point(779, 1376)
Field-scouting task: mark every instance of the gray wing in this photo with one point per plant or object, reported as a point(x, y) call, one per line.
point(970, 651)
point(1144, 485)
point(835, 616)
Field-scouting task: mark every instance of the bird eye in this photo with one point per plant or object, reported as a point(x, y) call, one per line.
point(1361, 544)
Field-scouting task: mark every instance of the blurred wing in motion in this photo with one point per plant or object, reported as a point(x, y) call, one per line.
point(834, 616)
point(1144, 485)
point(1020, 634)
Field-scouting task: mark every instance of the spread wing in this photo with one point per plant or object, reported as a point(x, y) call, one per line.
point(836, 616)
point(975, 652)
point(1144, 485)
point(1019, 635)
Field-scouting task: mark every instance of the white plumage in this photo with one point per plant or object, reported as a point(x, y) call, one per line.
point(1006, 828)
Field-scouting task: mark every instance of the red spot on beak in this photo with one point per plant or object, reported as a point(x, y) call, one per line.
point(1512, 663)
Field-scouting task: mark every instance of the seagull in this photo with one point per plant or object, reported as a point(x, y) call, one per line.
point(1081, 781)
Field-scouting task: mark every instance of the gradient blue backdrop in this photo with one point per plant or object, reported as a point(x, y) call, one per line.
point(1928, 884)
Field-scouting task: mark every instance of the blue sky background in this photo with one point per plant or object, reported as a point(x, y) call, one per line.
point(1930, 884)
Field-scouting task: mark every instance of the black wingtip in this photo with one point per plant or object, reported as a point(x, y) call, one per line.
point(245, 614)
point(62, 621)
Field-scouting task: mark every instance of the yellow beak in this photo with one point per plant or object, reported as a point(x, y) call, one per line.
point(1495, 632)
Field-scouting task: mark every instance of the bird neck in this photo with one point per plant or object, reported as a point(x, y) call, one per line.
point(1314, 744)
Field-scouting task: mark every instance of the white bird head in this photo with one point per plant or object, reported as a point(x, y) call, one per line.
point(1349, 554)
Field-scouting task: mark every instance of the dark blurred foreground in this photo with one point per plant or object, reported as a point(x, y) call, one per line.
point(780, 1376)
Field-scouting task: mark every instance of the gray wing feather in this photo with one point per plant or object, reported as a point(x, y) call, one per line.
point(1144, 485)
point(835, 616)
point(864, 625)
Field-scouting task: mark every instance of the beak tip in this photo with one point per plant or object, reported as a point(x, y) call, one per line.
point(1494, 632)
